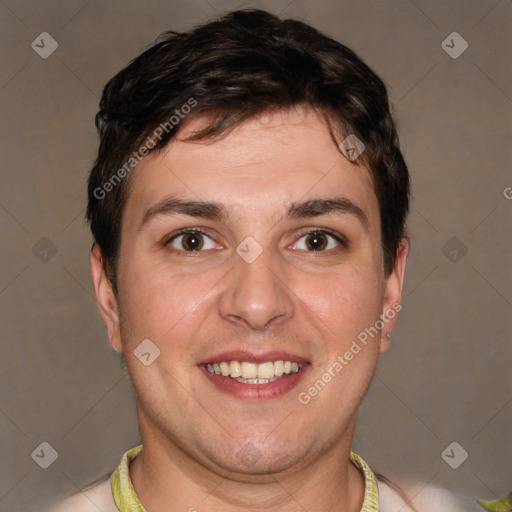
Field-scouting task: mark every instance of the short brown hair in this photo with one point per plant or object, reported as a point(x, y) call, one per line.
point(245, 63)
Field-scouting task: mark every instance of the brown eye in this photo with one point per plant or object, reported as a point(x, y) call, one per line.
point(316, 241)
point(320, 240)
point(191, 241)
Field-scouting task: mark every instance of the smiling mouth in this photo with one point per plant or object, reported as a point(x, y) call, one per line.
point(254, 373)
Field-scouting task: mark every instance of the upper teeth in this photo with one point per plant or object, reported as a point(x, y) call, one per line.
point(252, 370)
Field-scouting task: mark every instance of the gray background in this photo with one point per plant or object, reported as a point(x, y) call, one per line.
point(447, 375)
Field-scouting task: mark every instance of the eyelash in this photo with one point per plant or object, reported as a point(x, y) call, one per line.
point(342, 240)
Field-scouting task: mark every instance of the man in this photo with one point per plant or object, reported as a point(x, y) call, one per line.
point(248, 206)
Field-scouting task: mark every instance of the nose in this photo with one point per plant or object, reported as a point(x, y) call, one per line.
point(256, 293)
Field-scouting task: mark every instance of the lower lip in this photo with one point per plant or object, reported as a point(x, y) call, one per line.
point(256, 392)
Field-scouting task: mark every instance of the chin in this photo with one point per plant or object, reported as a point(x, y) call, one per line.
point(250, 460)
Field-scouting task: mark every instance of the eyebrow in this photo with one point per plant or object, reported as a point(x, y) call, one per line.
point(216, 211)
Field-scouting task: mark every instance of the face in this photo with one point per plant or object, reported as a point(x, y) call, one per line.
point(280, 260)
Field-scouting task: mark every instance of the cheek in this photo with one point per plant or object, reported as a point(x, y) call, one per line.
point(157, 301)
point(346, 301)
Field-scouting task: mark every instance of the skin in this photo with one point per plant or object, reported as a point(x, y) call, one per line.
point(292, 298)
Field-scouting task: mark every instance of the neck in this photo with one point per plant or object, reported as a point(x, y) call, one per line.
point(168, 479)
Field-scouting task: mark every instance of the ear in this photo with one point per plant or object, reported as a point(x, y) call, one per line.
point(105, 298)
point(393, 294)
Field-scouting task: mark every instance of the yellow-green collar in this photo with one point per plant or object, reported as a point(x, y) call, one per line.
point(127, 501)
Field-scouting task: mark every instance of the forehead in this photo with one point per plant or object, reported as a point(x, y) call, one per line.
point(262, 166)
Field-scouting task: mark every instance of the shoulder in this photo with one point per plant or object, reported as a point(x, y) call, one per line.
point(428, 499)
point(98, 497)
